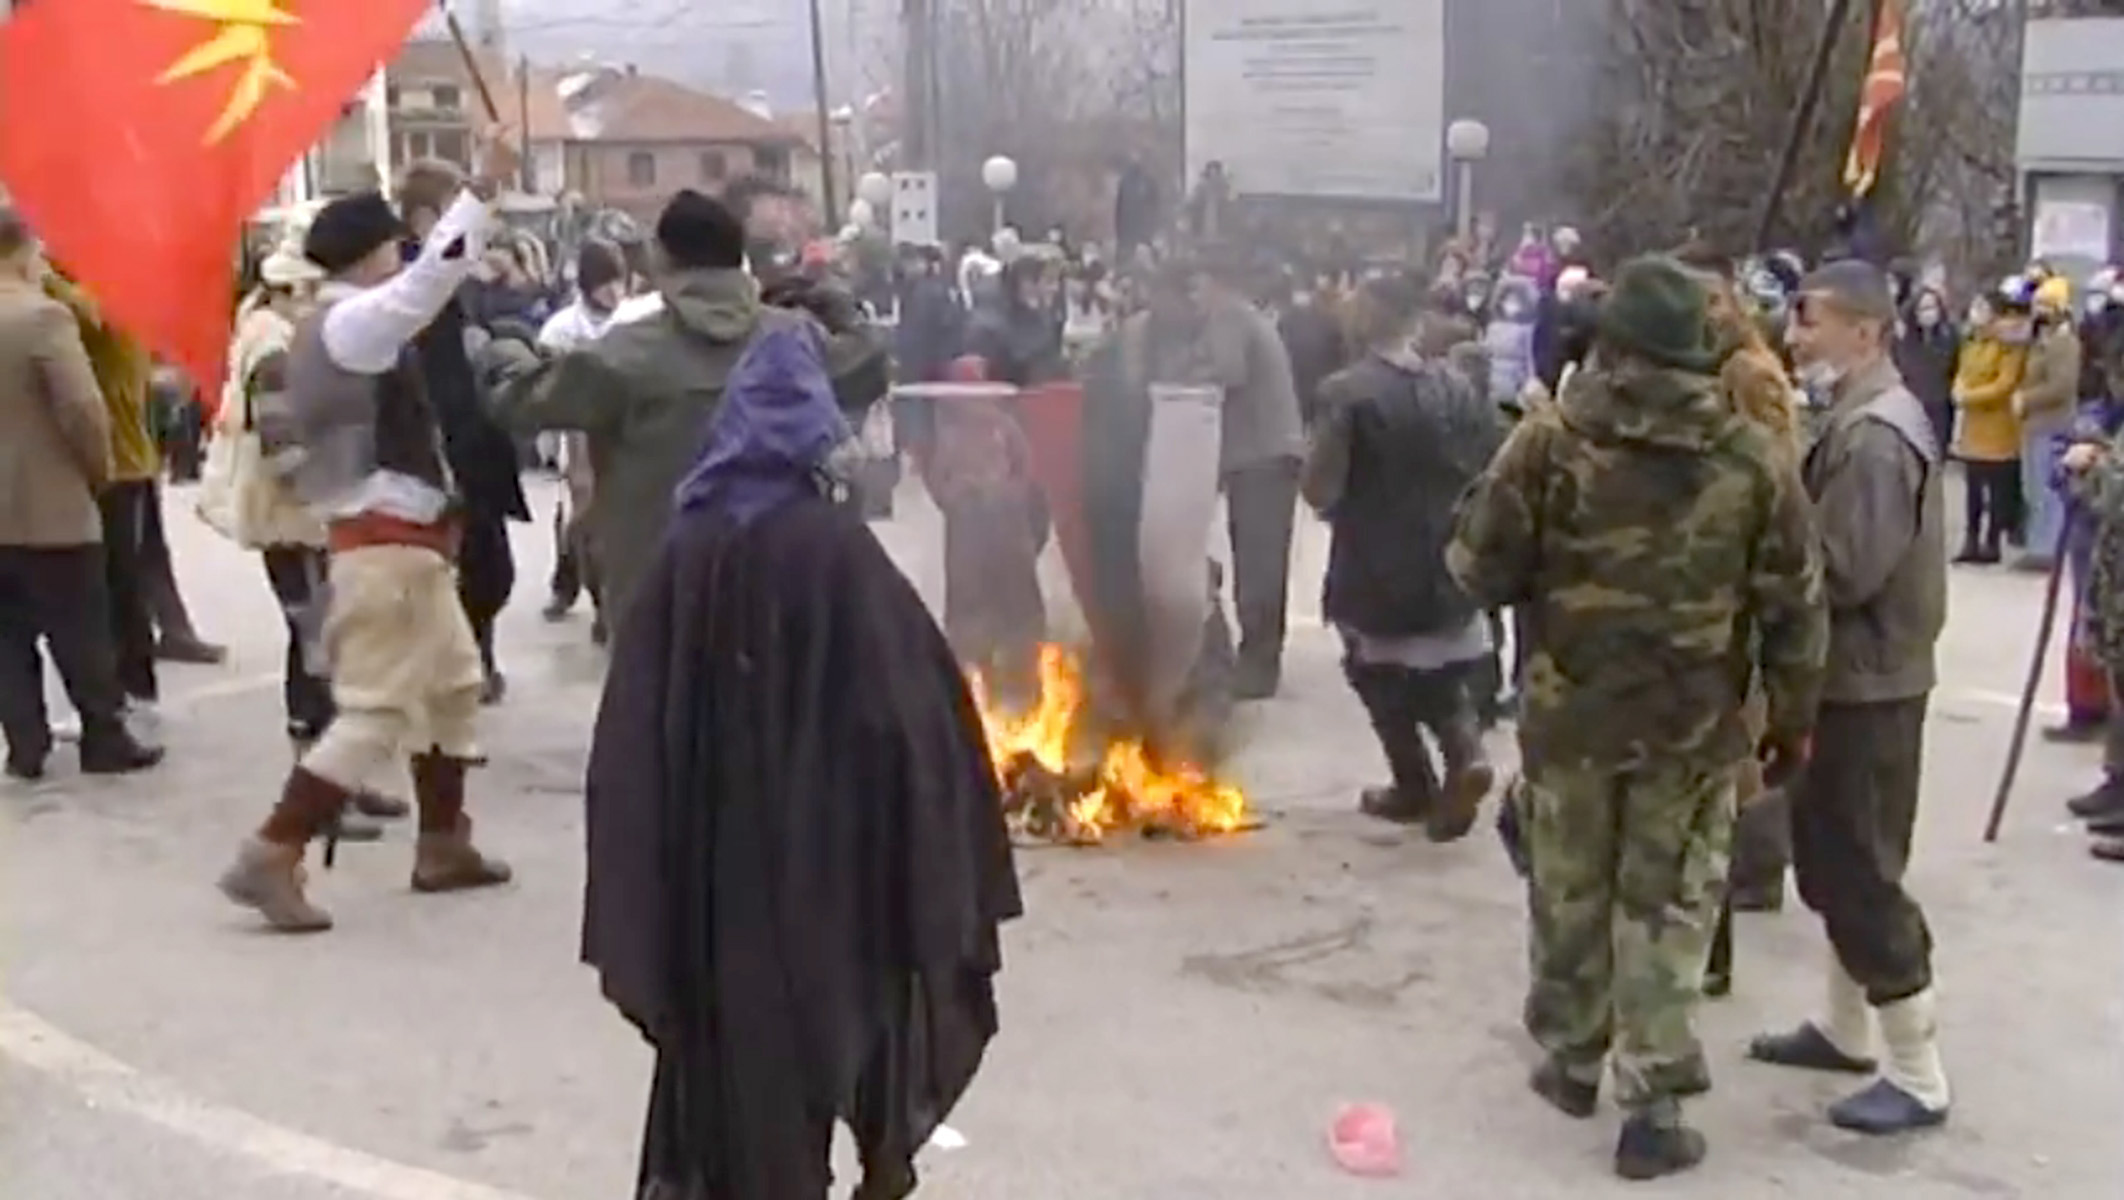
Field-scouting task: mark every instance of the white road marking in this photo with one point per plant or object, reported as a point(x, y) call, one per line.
point(107, 1084)
point(2006, 700)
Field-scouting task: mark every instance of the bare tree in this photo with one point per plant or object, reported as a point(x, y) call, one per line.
point(1694, 105)
point(1058, 86)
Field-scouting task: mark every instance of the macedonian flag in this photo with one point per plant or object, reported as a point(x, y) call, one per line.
point(1887, 78)
point(140, 135)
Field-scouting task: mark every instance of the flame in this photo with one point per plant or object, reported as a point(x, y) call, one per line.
point(1123, 790)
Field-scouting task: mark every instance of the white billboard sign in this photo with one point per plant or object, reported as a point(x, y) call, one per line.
point(1318, 98)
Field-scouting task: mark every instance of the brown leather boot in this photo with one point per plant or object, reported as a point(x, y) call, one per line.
point(444, 858)
point(269, 878)
point(1469, 778)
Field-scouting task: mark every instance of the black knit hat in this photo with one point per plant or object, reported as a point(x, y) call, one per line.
point(350, 229)
point(1659, 310)
point(597, 264)
point(700, 231)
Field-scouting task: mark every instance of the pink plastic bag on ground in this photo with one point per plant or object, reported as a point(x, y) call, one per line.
point(1364, 1142)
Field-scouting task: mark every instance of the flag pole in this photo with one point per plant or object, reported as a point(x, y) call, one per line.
point(1802, 122)
point(479, 79)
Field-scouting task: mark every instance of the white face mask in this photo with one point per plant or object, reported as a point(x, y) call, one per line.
point(1820, 376)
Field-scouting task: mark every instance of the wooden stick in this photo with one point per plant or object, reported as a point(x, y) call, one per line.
point(2035, 680)
point(479, 80)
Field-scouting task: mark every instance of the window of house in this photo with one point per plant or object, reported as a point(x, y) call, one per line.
point(773, 162)
point(417, 146)
point(445, 97)
point(641, 169)
point(452, 145)
point(714, 167)
point(391, 95)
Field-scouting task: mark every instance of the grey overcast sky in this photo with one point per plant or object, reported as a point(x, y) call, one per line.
point(730, 45)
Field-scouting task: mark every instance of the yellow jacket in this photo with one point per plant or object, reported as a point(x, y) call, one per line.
point(123, 367)
point(1985, 379)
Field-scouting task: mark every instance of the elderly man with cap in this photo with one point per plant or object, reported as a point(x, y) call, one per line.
point(1876, 477)
point(357, 440)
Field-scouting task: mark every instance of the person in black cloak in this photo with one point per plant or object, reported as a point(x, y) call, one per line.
point(797, 858)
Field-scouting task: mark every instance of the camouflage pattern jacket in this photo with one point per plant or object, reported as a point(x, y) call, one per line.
point(1662, 549)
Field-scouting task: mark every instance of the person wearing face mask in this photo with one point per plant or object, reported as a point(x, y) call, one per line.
point(1988, 435)
point(600, 275)
point(2045, 404)
point(1927, 348)
point(1878, 489)
point(1508, 341)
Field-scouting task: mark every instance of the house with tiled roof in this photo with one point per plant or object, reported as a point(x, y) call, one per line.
point(628, 140)
point(612, 135)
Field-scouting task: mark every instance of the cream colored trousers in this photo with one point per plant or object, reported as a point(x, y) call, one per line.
point(405, 669)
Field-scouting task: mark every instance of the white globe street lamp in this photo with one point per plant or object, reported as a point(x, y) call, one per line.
point(875, 189)
point(1000, 175)
point(861, 214)
point(1467, 142)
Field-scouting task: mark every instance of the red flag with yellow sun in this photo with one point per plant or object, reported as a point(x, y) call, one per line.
point(1887, 80)
point(141, 134)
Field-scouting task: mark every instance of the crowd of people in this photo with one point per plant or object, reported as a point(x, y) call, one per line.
point(1683, 520)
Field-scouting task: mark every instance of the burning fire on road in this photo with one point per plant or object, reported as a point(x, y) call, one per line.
point(1057, 790)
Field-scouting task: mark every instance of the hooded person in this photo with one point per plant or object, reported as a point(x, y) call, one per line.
point(642, 391)
point(1661, 546)
point(797, 857)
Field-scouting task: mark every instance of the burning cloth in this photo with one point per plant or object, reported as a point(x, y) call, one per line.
point(994, 526)
point(797, 856)
point(1144, 493)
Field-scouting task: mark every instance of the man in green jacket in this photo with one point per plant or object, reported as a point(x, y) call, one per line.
point(644, 391)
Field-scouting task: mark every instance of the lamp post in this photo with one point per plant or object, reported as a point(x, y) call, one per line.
point(1000, 175)
point(874, 189)
point(1467, 142)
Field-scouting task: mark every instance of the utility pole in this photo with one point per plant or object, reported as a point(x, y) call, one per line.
point(525, 167)
point(917, 84)
point(828, 208)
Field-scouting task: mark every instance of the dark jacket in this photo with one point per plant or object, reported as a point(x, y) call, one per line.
point(931, 328)
point(1315, 345)
point(1926, 359)
point(483, 458)
point(1878, 491)
point(1398, 441)
point(1021, 344)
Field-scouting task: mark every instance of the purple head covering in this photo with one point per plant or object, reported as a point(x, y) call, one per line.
point(770, 438)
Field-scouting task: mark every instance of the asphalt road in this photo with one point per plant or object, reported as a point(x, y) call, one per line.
point(1179, 1021)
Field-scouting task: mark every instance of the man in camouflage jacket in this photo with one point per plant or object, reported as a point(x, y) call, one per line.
point(1663, 551)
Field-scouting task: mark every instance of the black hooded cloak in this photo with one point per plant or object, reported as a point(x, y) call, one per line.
point(797, 858)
